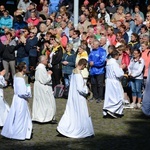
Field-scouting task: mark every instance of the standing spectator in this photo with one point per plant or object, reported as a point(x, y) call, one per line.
point(31, 8)
point(53, 6)
point(104, 15)
point(76, 40)
point(82, 53)
point(44, 11)
point(4, 107)
point(84, 22)
point(31, 46)
point(147, 20)
point(137, 11)
point(111, 48)
point(129, 19)
point(58, 21)
point(44, 106)
point(104, 43)
point(111, 8)
point(22, 52)
point(68, 64)
point(18, 124)
point(138, 24)
point(135, 71)
point(124, 61)
point(19, 23)
point(119, 15)
point(66, 17)
point(111, 36)
point(76, 120)
point(55, 61)
point(9, 55)
point(65, 29)
point(134, 43)
point(6, 21)
point(23, 5)
point(71, 32)
point(49, 23)
point(113, 103)
point(97, 59)
point(63, 37)
point(128, 30)
point(2, 9)
point(41, 37)
point(124, 34)
point(144, 31)
point(33, 19)
point(146, 56)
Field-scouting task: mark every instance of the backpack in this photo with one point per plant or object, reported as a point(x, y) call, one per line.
point(124, 80)
point(66, 92)
point(59, 90)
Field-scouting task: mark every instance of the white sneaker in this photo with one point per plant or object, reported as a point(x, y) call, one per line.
point(125, 101)
point(133, 105)
point(125, 106)
point(139, 105)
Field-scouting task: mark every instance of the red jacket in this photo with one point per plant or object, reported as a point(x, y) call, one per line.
point(125, 59)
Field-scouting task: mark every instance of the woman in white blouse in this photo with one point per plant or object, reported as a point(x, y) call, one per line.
point(135, 70)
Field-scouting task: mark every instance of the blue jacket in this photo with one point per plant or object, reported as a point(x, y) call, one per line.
point(67, 69)
point(98, 56)
point(6, 22)
point(31, 45)
point(53, 6)
point(19, 25)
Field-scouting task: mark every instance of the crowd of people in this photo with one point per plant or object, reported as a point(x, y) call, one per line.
point(106, 55)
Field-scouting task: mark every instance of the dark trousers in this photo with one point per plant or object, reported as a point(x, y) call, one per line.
point(97, 86)
point(32, 66)
point(56, 76)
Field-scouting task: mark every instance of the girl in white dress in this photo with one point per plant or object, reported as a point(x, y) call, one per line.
point(18, 124)
point(76, 121)
point(4, 107)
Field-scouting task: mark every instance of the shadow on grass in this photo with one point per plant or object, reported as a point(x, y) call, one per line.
point(137, 138)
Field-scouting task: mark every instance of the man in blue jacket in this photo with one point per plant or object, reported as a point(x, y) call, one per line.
point(97, 60)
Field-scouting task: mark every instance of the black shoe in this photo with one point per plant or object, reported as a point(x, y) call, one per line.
point(98, 100)
point(91, 99)
point(89, 137)
point(60, 135)
point(53, 122)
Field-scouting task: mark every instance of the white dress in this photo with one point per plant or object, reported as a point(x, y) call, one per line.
point(76, 120)
point(4, 107)
point(44, 105)
point(18, 124)
point(114, 92)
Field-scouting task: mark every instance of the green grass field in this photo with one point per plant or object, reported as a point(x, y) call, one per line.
point(131, 132)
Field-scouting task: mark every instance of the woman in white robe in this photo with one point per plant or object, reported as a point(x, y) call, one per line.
point(113, 103)
point(18, 124)
point(44, 105)
point(4, 107)
point(76, 120)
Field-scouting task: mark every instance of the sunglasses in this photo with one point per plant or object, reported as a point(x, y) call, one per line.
point(102, 33)
point(32, 32)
